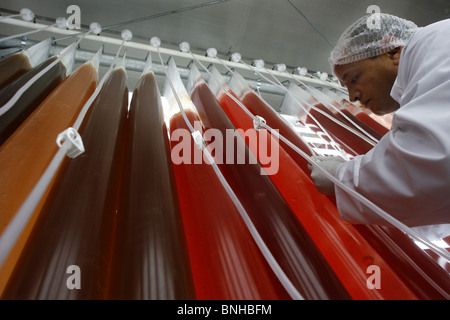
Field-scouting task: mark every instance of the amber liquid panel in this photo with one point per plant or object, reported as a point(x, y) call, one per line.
point(75, 226)
point(26, 154)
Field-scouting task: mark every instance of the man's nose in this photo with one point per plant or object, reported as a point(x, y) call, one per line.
point(354, 95)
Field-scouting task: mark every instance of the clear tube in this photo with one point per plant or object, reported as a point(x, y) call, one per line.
point(280, 85)
point(59, 23)
point(11, 16)
point(330, 117)
point(318, 95)
point(313, 152)
point(333, 143)
point(25, 13)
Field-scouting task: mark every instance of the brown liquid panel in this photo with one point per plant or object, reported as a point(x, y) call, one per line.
point(13, 67)
point(75, 226)
point(31, 98)
point(151, 259)
point(27, 153)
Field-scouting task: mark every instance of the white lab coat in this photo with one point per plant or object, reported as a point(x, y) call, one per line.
point(408, 173)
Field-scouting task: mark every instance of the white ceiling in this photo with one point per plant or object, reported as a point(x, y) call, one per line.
point(297, 33)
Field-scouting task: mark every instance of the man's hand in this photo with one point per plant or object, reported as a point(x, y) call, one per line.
point(330, 164)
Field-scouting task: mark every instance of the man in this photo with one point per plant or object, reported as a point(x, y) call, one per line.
point(397, 67)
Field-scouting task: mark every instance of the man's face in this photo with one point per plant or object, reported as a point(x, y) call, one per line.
point(370, 81)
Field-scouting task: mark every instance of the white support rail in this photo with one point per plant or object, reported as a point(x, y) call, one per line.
point(175, 53)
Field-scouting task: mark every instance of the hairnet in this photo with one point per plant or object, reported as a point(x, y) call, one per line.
point(362, 40)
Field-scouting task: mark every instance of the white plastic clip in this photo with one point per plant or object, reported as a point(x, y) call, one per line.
point(126, 35)
point(280, 67)
point(95, 28)
point(198, 139)
point(236, 57)
point(323, 76)
point(61, 23)
point(27, 14)
point(185, 46)
point(211, 52)
point(302, 71)
point(155, 42)
point(258, 122)
point(72, 137)
point(258, 63)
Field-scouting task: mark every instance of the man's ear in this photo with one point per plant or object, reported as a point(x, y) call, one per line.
point(394, 55)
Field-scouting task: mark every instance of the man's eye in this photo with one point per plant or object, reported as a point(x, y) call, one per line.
point(353, 81)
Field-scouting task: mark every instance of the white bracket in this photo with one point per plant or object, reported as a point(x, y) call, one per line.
point(75, 143)
point(258, 122)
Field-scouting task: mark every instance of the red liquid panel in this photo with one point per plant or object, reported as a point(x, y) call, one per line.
point(399, 256)
point(294, 250)
point(226, 262)
point(367, 128)
point(351, 143)
point(364, 117)
point(344, 248)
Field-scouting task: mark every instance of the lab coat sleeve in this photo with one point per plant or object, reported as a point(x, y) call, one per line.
point(408, 173)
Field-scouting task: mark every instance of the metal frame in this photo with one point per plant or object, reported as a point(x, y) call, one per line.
point(138, 64)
